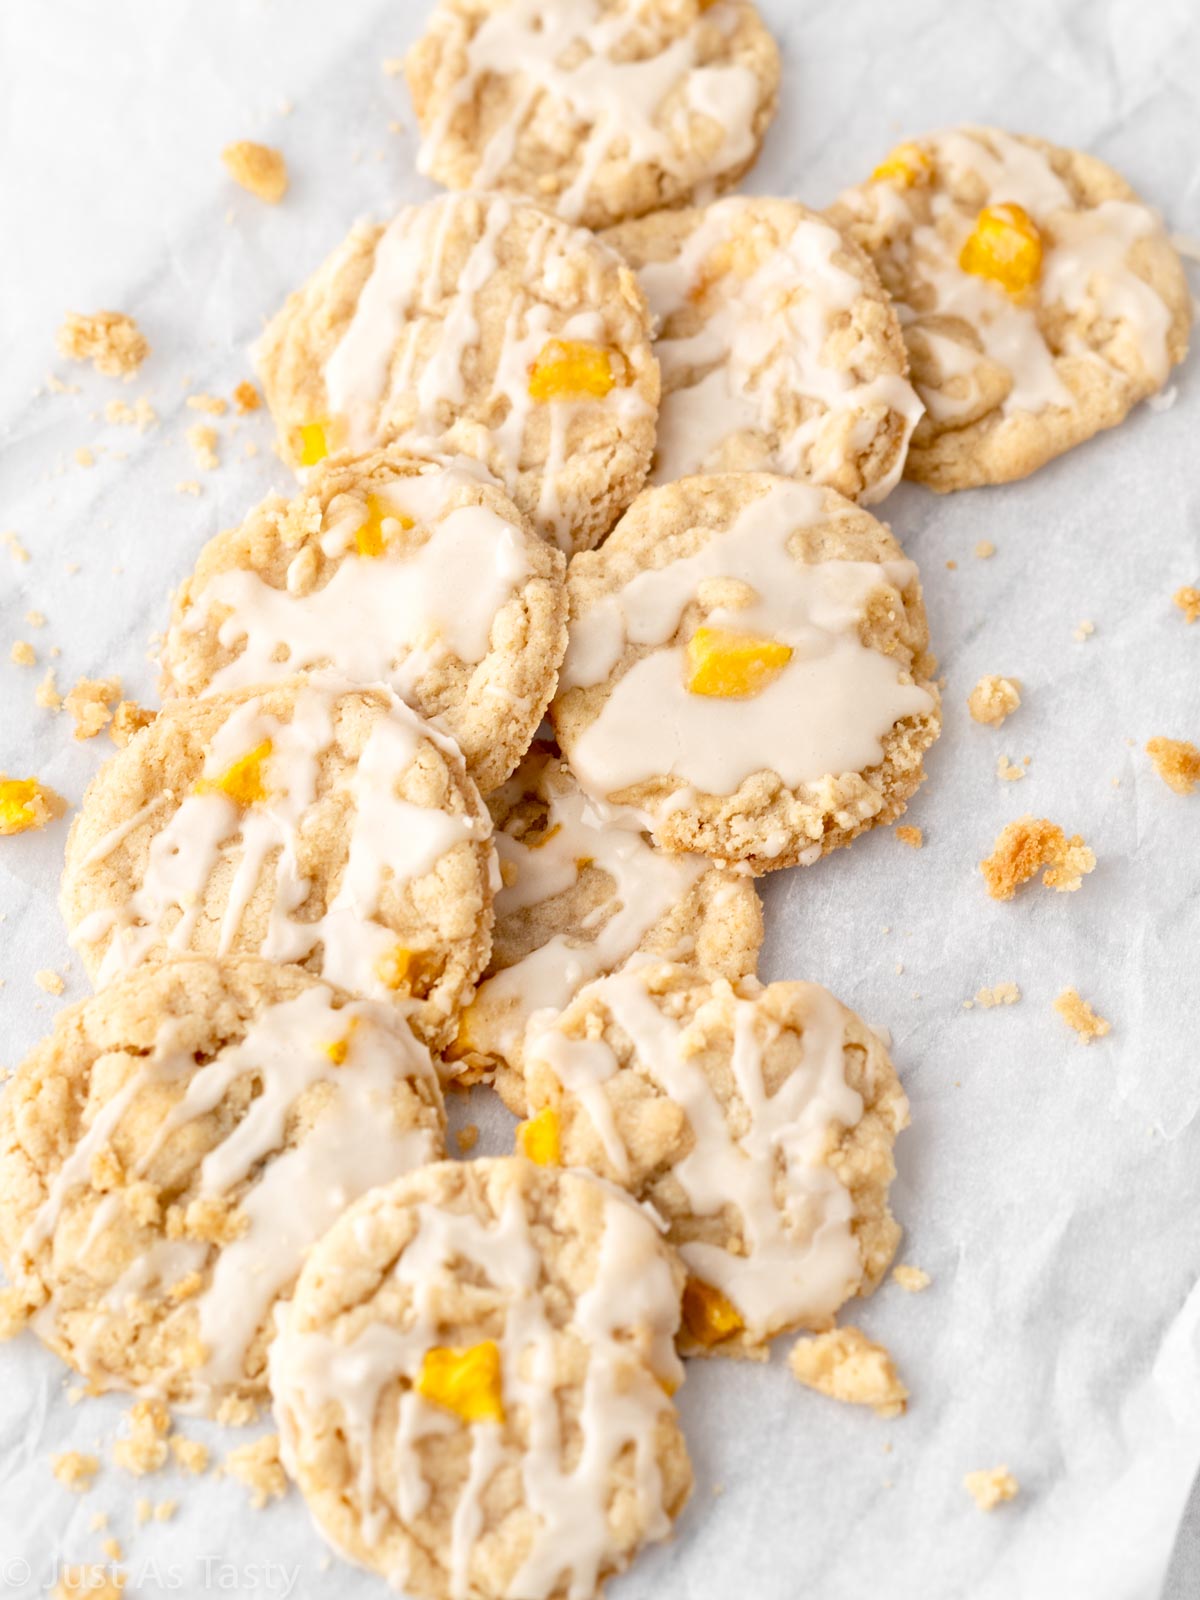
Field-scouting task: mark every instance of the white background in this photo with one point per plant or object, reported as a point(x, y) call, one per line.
point(1053, 1192)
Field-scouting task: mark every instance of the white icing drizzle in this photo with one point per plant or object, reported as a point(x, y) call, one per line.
point(761, 345)
point(646, 884)
point(1086, 260)
point(379, 619)
point(826, 712)
point(800, 1259)
point(289, 1196)
point(390, 840)
point(385, 362)
point(620, 1403)
point(616, 97)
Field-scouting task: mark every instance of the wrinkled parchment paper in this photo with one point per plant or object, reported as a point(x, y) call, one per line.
point(1052, 1191)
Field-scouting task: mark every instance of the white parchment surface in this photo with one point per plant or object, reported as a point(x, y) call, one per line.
point(1052, 1191)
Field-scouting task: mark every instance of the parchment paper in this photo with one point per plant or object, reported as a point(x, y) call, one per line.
point(1053, 1192)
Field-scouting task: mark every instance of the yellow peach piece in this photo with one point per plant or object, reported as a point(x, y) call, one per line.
point(369, 539)
point(25, 804)
point(568, 369)
point(538, 1138)
point(708, 1315)
point(466, 1382)
point(314, 445)
point(731, 665)
point(395, 967)
point(907, 165)
point(1005, 247)
point(242, 780)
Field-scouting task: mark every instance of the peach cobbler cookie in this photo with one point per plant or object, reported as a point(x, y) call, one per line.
point(1040, 299)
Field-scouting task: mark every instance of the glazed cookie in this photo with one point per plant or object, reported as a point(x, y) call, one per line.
point(748, 670)
point(603, 109)
point(307, 822)
point(471, 1383)
point(758, 1122)
point(1040, 300)
point(387, 569)
point(584, 890)
point(479, 326)
point(779, 350)
point(171, 1151)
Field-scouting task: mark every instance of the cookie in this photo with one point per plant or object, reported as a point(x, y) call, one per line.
point(583, 892)
point(478, 326)
point(759, 1124)
point(779, 350)
point(1040, 299)
point(305, 822)
point(472, 1381)
point(172, 1149)
point(387, 569)
point(748, 670)
point(601, 109)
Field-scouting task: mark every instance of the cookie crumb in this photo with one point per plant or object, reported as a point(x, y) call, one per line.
point(993, 699)
point(236, 1412)
point(467, 1138)
point(188, 486)
point(25, 803)
point(1084, 631)
point(985, 549)
point(110, 340)
point(74, 1470)
point(84, 457)
point(46, 694)
point(204, 440)
point(1188, 601)
point(165, 1510)
point(1177, 762)
point(913, 837)
point(1009, 771)
point(95, 1581)
point(257, 168)
point(1078, 1014)
point(848, 1366)
point(49, 981)
point(14, 546)
point(1000, 994)
point(90, 704)
point(129, 718)
point(23, 654)
point(257, 1465)
point(190, 1454)
point(991, 1487)
point(213, 404)
point(246, 397)
point(1027, 845)
point(952, 566)
point(144, 1450)
point(112, 1549)
point(911, 1279)
point(141, 415)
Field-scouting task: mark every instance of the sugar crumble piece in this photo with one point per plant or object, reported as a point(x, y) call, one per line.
point(204, 440)
point(911, 1279)
point(46, 694)
point(912, 837)
point(112, 1549)
point(74, 1470)
point(1078, 1014)
point(1084, 631)
point(1188, 601)
point(141, 415)
point(165, 1510)
point(845, 1365)
point(36, 619)
point(90, 704)
point(144, 1449)
point(110, 340)
point(22, 654)
point(467, 1138)
point(246, 397)
point(49, 981)
point(991, 1487)
point(1024, 847)
point(1177, 762)
point(1000, 994)
point(213, 404)
point(25, 803)
point(84, 457)
point(1009, 771)
point(235, 1411)
point(952, 566)
point(13, 545)
point(985, 549)
point(993, 699)
point(96, 1581)
point(257, 1465)
point(190, 1454)
point(188, 486)
point(129, 718)
point(257, 168)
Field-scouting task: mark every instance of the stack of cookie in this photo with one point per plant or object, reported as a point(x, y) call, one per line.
point(348, 869)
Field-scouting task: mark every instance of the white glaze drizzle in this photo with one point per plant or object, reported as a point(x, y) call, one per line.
point(390, 839)
point(620, 1403)
point(289, 1196)
point(616, 102)
point(761, 344)
point(800, 1258)
point(826, 712)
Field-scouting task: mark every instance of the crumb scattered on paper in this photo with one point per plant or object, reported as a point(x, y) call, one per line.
point(258, 168)
point(49, 981)
point(90, 704)
point(991, 1487)
point(110, 340)
point(1009, 771)
point(1078, 1014)
point(144, 1449)
point(141, 415)
point(1177, 762)
point(91, 1579)
point(911, 1279)
point(22, 654)
point(993, 699)
point(25, 803)
point(74, 1470)
point(1084, 631)
point(246, 397)
point(1188, 601)
point(913, 837)
point(848, 1366)
point(985, 549)
point(213, 404)
point(203, 440)
point(1000, 994)
point(258, 1466)
point(1027, 845)
point(46, 694)
point(467, 1138)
